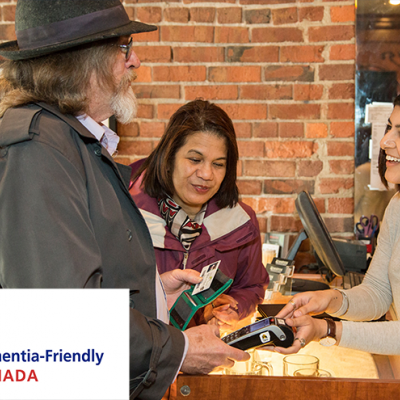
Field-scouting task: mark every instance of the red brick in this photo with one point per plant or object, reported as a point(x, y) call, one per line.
point(152, 129)
point(239, 168)
point(226, 34)
point(203, 14)
point(336, 72)
point(341, 111)
point(339, 224)
point(335, 148)
point(307, 92)
point(253, 54)
point(143, 74)
point(242, 129)
point(145, 111)
point(276, 206)
point(330, 33)
point(131, 12)
point(265, 129)
point(343, 14)
point(125, 160)
point(311, 13)
point(262, 223)
point(200, 34)
point(8, 13)
point(342, 129)
point(302, 54)
point(342, 52)
point(287, 149)
point(250, 148)
point(208, 1)
point(176, 14)
point(265, 2)
point(266, 92)
point(335, 185)
point(131, 129)
point(245, 111)
point(285, 224)
point(289, 73)
point(148, 1)
point(235, 74)
point(198, 54)
point(309, 168)
point(148, 14)
point(342, 91)
point(153, 36)
point(341, 167)
point(184, 73)
point(231, 15)
point(291, 129)
point(249, 187)
point(277, 35)
point(157, 91)
point(214, 92)
point(288, 186)
point(295, 111)
point(258, 16)
point(320, 204)
point(316, 130)
point(153, 53)
point(165, 111)
point(269, 168)
point(284, 15)
point(7, 32)
point(136, 147)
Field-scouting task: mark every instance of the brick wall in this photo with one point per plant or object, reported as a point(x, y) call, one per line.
point(284, 72)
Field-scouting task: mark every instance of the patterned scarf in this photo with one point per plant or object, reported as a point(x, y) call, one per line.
point(179, 223)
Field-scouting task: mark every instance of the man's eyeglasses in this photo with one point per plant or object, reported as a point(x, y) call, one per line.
point(127, 49)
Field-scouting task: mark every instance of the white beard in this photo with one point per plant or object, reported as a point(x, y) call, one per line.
point(124, 103)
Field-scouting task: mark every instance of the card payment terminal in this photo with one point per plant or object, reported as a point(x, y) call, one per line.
point(268, 331)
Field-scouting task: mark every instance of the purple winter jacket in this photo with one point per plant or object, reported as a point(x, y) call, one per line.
point(230, 234)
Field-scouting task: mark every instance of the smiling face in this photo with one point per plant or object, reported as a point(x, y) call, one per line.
point(390, 144)
point(199, 169)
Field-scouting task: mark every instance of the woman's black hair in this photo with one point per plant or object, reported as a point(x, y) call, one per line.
point(382, 154)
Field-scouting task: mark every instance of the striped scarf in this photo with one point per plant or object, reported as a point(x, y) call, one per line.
point(179, 223)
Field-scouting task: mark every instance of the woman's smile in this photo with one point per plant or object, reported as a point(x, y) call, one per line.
point(199, 169)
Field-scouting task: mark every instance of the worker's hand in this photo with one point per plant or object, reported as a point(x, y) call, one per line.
point(307, 329)
point(312, 303)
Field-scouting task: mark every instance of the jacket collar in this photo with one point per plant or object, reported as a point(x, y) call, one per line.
point(123, 170)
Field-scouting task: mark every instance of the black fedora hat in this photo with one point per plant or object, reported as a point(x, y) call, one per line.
point(46, 26)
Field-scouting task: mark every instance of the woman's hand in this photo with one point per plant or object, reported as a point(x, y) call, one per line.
point(178, 280)
point(312, 303)
point(223, 312)
point(308, 329)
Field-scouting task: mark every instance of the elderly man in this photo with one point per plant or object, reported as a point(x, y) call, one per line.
point(67, 219)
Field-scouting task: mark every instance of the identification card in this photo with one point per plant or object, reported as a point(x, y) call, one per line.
point(208, 275)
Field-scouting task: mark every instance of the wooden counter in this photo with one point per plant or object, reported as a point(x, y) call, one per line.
point(223, 387)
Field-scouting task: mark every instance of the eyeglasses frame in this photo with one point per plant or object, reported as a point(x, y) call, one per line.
point(127, 49)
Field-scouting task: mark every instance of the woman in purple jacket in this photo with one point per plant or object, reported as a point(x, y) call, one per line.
point(186, 190)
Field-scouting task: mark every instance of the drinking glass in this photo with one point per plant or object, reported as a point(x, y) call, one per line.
point(295, 362)
point(314, 373)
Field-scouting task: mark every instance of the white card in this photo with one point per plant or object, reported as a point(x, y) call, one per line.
point(208, 274)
